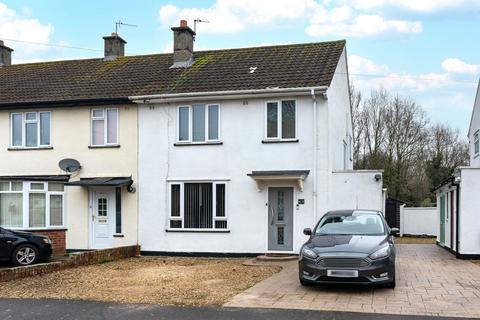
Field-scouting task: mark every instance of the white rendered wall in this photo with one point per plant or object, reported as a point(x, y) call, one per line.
point(474, 127)
point(469, 211)
point(420, 221)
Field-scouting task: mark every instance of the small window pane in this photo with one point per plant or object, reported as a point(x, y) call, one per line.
point(213, 122)
point(222, 224)
point(36, 210)
point(98, 132)
point(199, 122)
point(175, 224)
point(272, 120)
point(175, 201)
point(36, 186)
point(55, 187)
point(97, 113)
point(288, 119)
point(183, 123)
point(31, 134)
point(4, 186)
point(220, 197)
point(31, 116)
point(102, 207)
point(17, 186)
point(11, 210)
point(56, 210)
point(17, 130)
point(112, 129)
point(45, 128)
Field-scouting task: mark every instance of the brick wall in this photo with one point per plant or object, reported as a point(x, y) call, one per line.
point(75, 260)
point(57, 237)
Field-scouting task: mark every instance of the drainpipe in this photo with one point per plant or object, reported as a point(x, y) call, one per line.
point(315, 143)
point(457, 220)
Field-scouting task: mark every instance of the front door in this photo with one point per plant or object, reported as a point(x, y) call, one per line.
point(280, 219)
point(442, 219)
point(103, 217)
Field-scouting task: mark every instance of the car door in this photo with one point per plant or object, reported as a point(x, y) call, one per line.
point(5, 244)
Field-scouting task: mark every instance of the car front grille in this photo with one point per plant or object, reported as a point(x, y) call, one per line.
point(343, 262)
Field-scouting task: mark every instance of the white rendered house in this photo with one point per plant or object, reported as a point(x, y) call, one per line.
point(242, 149)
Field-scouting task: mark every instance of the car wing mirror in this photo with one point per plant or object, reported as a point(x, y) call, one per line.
point(307, 231)
point(394, 231)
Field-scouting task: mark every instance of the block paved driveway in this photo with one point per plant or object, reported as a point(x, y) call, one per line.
point(430, 281)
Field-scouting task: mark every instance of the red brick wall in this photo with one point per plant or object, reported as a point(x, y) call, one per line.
point(57, 237)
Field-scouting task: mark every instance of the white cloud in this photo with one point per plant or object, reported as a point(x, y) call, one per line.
point(363, 25)
point(455, 65)
point(361, 65)
point(228, 16)
point(25, 28)
point(420, 6)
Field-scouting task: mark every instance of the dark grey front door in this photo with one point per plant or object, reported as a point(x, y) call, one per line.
point(280, 219)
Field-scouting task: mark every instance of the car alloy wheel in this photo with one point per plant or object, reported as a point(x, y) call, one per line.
point(25, 255)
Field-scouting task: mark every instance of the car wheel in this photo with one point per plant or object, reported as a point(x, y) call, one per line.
point(25, 255)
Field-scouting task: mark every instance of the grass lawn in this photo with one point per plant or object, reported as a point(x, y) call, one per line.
point(160, 280)
point(415, 240)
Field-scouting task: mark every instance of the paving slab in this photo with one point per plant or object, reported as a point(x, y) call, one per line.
point(430, 282)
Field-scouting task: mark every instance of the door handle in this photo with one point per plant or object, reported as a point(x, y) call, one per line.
point(273, 215)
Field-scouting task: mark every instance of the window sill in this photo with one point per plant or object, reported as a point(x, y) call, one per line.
point(184, 144)
point(105, 146)
point(280, 141)
point(118, 235)
point(199, 230)
point(29, 149)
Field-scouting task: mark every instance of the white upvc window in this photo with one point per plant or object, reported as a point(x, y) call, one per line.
point(198, 123)
point(104, 125)
point(31, 205)
point(30, 130)
point(195, 205)
point(476, 143)
point(280, 120)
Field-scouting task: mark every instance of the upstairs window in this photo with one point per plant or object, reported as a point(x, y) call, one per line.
point(104, 127)
point(476, 143)
point(199, 123)
point(30, 129)
point(280, 118)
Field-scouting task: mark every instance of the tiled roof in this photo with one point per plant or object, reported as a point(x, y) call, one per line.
point(285, 66)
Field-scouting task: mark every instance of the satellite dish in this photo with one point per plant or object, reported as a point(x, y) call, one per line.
point(69, 165)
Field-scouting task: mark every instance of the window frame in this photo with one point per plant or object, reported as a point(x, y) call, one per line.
point(26, 191)
point(104, 118)
point(24, 129)
point(190, 124)
point(181, 217)
point(279, 121)
point(476, 143)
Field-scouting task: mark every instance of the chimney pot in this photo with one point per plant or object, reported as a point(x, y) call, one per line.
point(5, 54)
point(114, 46)
point(182, 45)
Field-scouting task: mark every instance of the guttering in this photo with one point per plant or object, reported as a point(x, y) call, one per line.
point(64, 103)
point(225, 95)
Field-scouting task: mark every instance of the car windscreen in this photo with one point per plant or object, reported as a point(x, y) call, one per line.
point(354, 224)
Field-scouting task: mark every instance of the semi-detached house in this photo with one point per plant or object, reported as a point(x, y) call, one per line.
point(224, 151)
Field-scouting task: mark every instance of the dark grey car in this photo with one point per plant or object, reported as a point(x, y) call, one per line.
point(349, 246)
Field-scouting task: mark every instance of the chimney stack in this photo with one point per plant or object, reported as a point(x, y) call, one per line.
point(5, 55)
point(114, 46)
point(182, 45)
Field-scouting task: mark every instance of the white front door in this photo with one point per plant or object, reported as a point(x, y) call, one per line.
point(103, 217)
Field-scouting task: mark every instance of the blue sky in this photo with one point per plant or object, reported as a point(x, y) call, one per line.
point(426, 49)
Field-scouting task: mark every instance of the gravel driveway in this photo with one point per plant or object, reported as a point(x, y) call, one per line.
point(168, 281)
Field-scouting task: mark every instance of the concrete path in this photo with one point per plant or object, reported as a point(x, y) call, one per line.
point(430, 281)
point(89, 310)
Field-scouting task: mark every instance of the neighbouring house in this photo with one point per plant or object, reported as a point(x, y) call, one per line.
point(458, 200)
point(223, 151)
point(241, 149)
point(78, 109)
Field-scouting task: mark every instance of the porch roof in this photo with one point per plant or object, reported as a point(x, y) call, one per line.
point(102, 182)
point(296, 175)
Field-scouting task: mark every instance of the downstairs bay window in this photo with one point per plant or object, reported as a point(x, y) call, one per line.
point(31, 205)
point(197, 206)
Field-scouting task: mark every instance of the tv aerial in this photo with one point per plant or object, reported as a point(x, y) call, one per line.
point(195, 25)
point(120, 23)
point(69, 165)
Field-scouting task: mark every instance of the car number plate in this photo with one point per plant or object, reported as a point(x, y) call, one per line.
point(342, 273)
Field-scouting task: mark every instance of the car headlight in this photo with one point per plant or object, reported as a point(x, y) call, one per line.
point(381, 253)
point(47, 240)
point(309, 253)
